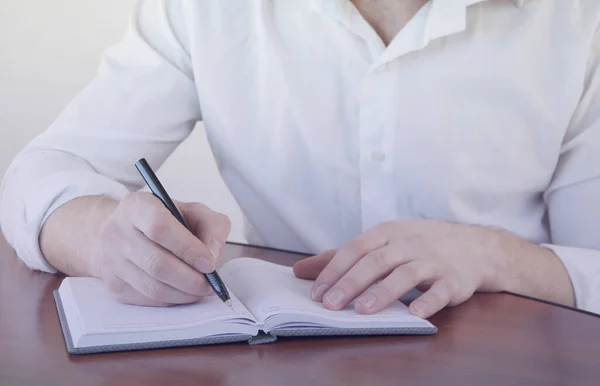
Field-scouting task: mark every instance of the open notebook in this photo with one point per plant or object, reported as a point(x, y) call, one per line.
point(268, 300)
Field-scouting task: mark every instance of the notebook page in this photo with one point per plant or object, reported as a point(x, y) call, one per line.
point(98, 313)
point(270, 290)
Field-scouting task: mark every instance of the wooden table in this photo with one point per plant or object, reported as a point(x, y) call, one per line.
point(494, 339)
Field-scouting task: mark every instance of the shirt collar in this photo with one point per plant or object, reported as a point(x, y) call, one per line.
point(444, 17)
point(321, 4)
point(471, 2)
point(448, 16)
point(329, 4)
point(333, 7)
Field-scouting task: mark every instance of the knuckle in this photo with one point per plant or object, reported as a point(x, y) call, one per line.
point(193, 206)
point(157, 226)
point(384, 292)
point(450, 288)
point(186, 253)
point(371, 240)
point(412, 270)
point(330, 274)
point(379, 260)
point(435, 299)
point(349, 283)
point(415, 239)
point(352, 247)
point(419, 270)
point(191, 209)
point(158, 215)
point(225, 221)
point(344, 254)
point(421, 245)
point(156, 265)
point(114, 285)
point(191, 254)
point(153, 290)
point(108, 264)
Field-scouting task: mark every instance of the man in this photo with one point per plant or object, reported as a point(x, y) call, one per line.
point(449, 145)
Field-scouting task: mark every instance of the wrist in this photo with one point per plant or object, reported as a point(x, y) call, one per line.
point(500, 273)
point(525, 268)
point(542, 275)
point(68, 236)
point(101, 209)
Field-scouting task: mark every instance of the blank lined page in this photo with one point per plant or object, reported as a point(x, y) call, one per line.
point(98, 312)
point(268, 289)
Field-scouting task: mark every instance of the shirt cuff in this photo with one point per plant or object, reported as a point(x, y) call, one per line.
point(583, 267)
point(47, 195)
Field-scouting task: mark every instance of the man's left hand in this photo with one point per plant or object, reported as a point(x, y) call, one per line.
point(449, 262)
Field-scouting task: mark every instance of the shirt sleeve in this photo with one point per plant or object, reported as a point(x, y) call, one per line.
point(142, 103)
point(573, 197)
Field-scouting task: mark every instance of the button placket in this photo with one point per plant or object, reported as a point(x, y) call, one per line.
point(376, 175)
point(378, 156)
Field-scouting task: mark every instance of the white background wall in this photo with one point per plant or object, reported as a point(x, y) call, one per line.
point(50, 50)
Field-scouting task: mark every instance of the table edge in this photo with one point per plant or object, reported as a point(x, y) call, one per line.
point(578, 310)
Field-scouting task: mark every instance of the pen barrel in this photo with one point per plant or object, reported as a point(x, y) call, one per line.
point(218, 286)
point(159, 191)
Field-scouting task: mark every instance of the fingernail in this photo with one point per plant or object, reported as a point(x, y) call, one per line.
point(419, 307)
point(317, 293)
point(203, 265)
point(336, 298)
point(368, 300)
point(215, 248)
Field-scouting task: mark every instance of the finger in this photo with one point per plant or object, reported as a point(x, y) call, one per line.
point(126, 294)
point(152, 288)
point(345, 258)
point(163, 266)
point(396, 284)
point(155, 221)
point(311, 267)
point(366, 271)
point(212, 228)
point(442, 293)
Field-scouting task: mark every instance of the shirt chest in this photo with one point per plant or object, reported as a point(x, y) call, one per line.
point(478, 114)
point(455, 102)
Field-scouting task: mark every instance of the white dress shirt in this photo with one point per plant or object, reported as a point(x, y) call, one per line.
point(479, 112)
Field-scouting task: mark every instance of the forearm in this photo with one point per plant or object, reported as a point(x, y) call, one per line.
point(528, 269)
point(68, 234)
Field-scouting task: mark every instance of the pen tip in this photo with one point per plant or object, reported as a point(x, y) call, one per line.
point(229, 304)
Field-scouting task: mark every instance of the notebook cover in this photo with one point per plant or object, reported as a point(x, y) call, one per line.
point(261, 338)
point(138, 346)
point(427, 330)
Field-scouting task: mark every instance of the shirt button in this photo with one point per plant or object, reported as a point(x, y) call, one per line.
point(382, 68)
point(378, 156)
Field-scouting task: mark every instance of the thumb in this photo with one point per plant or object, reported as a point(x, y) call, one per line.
point(212, 228)
point(311, 267)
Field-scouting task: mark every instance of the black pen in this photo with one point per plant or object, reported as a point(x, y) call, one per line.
point(157, 189)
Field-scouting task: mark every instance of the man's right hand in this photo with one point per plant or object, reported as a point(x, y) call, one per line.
point(145, 256)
